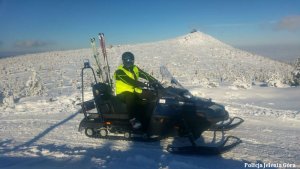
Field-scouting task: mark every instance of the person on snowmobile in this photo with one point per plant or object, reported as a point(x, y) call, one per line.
point(129, 89)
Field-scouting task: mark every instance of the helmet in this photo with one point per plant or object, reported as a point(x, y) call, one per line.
point(128, 59)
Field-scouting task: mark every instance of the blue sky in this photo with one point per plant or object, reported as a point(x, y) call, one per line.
point(44, 25)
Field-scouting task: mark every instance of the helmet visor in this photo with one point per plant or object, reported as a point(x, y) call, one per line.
point(128, 62)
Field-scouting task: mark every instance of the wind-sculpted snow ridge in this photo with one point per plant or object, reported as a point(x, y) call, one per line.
point(48, 74)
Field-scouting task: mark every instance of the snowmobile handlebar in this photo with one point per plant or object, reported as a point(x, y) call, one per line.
point(153, 86)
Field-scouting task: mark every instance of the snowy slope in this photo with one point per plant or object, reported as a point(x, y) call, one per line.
point(198, 58)
point(39, 117)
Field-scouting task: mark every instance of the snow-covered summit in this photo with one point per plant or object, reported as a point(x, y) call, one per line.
point(199, 59)
point(199, 39)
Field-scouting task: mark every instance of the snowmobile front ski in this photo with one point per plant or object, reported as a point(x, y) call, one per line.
point(227, 125)
point(206, 150)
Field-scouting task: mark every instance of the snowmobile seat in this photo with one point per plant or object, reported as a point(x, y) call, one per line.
point(114, 109)
point(102, 91)
point(109, 105)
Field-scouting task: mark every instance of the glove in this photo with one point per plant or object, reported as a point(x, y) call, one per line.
point(148, 85)
point(154, 84)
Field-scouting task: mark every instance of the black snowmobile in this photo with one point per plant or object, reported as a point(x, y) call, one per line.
point(174, 112)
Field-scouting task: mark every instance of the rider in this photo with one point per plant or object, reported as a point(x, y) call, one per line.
point(129, 89)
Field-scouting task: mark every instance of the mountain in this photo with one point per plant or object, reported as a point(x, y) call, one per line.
point(195, 59)
point(200, 59)
point(40, 115)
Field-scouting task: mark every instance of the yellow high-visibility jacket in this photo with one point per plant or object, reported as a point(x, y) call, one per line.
point(127, 80)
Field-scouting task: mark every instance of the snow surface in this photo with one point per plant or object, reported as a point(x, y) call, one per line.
point(39, 115)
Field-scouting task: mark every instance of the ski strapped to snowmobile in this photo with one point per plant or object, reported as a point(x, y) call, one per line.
point(104, 53)
point(174, 112)
point(103, 72)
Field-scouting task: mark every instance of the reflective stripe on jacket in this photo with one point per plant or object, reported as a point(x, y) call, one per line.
point(121, 85)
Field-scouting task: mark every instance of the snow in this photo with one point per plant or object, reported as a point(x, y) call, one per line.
point(39, 115)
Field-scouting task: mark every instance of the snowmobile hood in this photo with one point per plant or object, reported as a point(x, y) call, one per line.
point(174, 93)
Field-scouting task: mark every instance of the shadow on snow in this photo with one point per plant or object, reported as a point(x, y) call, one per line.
point(138, 155)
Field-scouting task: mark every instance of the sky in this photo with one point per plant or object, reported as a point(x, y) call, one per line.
point(270, 27)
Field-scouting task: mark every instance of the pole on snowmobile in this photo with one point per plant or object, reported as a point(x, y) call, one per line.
point(96, 56)
point(86, 66)
point(106, 69)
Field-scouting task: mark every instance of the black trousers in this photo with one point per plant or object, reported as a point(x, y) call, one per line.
point(132, 103)
point(135, 104)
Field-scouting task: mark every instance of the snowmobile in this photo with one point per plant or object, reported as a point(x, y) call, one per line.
point(174, 112)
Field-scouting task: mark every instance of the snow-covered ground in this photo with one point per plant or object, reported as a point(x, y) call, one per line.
point(39, 115)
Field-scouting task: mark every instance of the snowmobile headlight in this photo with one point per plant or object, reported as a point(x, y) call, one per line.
point(162, 101)
point(187, 95)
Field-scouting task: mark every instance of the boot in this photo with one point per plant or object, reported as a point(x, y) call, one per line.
point(135, 123)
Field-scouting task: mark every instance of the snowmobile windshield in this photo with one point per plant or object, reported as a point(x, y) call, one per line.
point(167, 79)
